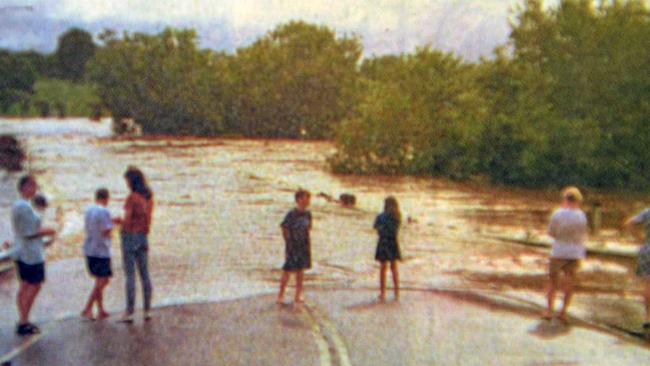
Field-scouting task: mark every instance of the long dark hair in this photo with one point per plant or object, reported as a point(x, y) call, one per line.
point(391, 207)
point(137, 182)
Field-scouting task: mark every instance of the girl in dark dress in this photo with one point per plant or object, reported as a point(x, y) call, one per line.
point(295, 230)
point(387, 225)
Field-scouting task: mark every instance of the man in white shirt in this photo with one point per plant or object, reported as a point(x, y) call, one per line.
point(568, 228)
point(28, 251)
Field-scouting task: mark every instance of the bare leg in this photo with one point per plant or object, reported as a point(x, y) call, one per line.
point(88, 310)
point(283, 286)
point(299, 278)
point(395, 273)
point(33, 291)
point(20, 302)
point(99, 297)
point(569, 284)
point(552, 287)
point(382, 280)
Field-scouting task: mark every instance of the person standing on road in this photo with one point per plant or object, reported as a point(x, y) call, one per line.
point(98, 225)
point(568, 228)
point(295, 231)
point(387, 225)
point(136, 225)
point(643, 259)
point(28, 251)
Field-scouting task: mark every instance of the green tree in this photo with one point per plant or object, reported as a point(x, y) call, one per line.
point(17, 78)
point(299, 80)
point(74, 49)
point(593, 60)
point(163, 82)
point(422, 115)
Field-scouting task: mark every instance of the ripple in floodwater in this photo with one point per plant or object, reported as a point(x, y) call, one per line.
point(220, 202)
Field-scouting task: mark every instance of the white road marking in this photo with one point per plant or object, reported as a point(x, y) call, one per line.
point(319, 338)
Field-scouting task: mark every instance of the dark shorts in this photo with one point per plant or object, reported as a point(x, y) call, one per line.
point(31, 273)
point(99, 267)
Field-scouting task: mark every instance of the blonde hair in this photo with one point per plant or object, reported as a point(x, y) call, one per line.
point(572, 194)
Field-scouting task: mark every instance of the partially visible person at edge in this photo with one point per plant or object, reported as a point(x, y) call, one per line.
point(568, 228)
point(136, 225)
point(98, 225)
point(295, 231)
point(387, 225)
point(643, 259)
point(28, 251)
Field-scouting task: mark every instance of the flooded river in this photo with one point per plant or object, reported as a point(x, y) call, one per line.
point(219, 203)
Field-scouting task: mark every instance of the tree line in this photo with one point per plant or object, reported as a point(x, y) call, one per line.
point(33, 83)
point(565, 100)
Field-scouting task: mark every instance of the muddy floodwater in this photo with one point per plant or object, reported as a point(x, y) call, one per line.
point(219, 203)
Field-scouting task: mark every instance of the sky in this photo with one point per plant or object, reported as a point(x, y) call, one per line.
point(471, 28)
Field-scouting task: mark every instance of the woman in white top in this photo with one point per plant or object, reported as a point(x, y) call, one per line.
point(568, 228)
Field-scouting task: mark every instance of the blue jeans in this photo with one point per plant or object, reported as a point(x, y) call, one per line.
point(134, 252)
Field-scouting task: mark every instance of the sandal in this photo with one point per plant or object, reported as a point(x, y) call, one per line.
point(564, 319)
point(87, 315)
point(27, 329)
point(33, 329)
point(126, 318)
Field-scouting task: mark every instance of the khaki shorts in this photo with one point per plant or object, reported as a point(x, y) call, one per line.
point(568, 266)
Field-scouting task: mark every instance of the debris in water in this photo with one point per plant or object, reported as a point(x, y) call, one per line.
point(11, 154)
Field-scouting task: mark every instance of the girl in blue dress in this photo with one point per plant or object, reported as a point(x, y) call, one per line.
point(387, 225)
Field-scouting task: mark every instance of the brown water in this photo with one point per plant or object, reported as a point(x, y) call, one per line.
point(219, 203)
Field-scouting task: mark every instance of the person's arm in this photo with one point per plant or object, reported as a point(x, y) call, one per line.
point(49, 242)
point(310, 222)
point(285, 233)
point(376, 225)
point(106, 224)
point(552, 227)
point(150, 205)
point(585, 227)
point(27, 225)
point(285, 226)
point(46, 231)
point(630, 225)
point(10, 248)
point(128, 211)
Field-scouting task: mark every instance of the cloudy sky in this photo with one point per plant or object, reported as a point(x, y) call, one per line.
point(469, 27)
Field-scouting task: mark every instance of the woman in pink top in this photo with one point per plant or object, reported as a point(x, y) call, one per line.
point(138, 210)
